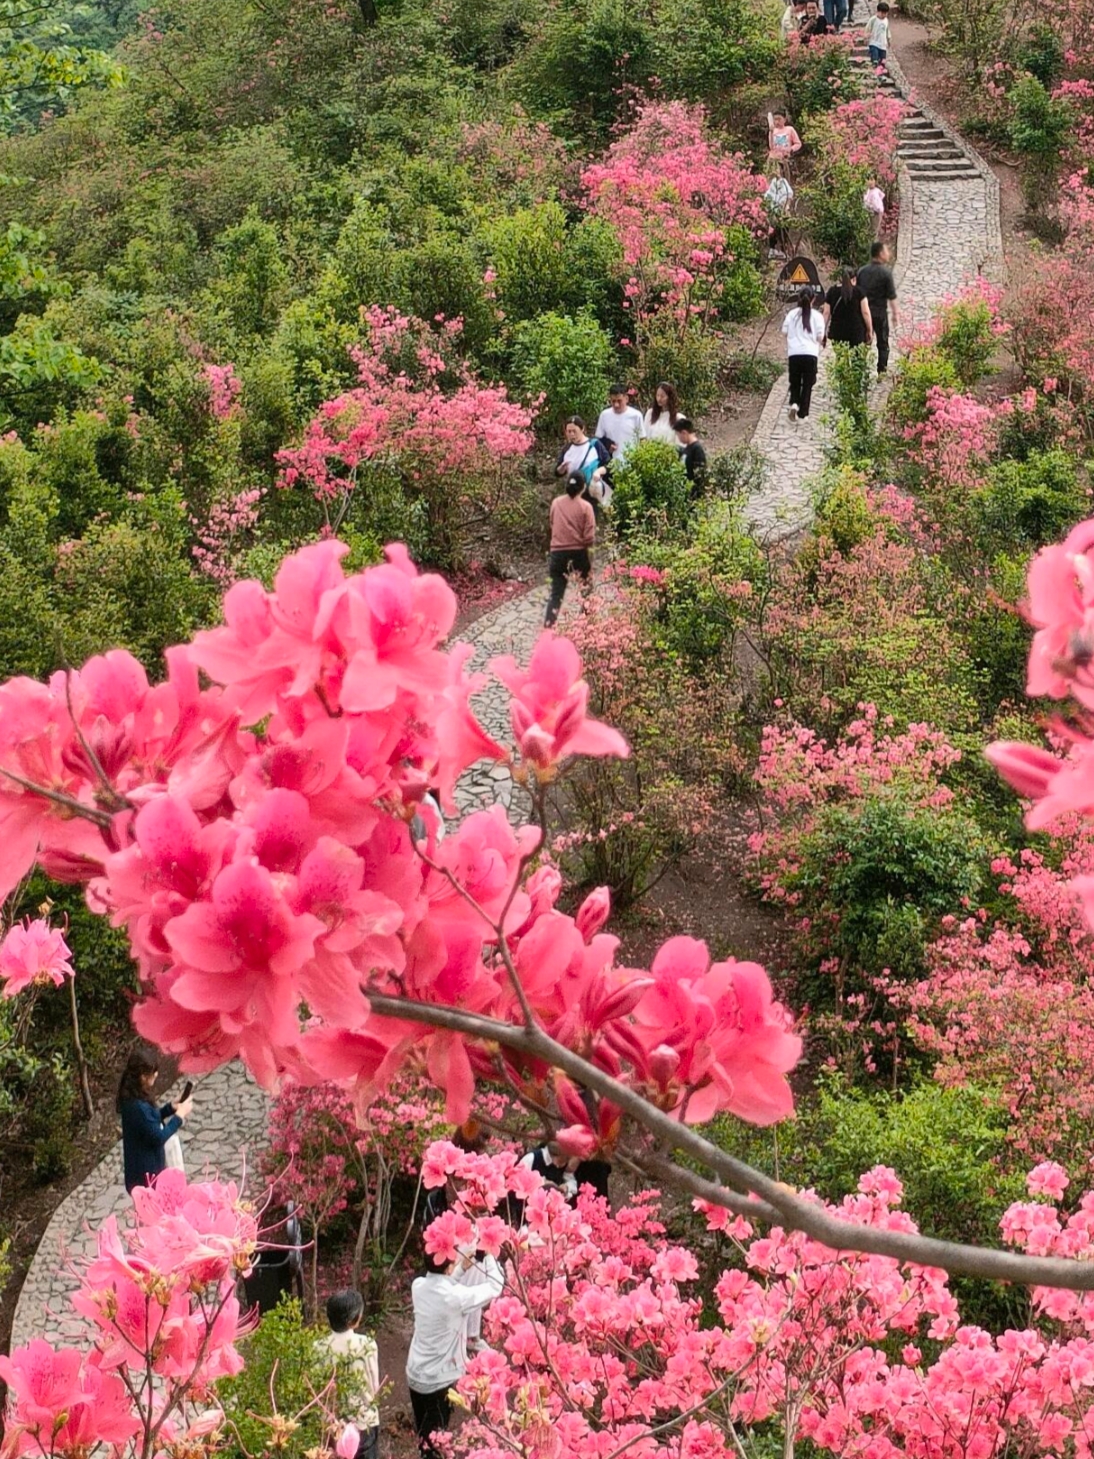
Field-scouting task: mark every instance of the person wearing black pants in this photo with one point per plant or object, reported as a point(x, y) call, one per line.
point(573, 531)
point(805, 332)
point(877, 283)
point(432, 1412)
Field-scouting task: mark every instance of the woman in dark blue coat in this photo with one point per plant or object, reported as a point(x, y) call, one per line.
point(145, 1128)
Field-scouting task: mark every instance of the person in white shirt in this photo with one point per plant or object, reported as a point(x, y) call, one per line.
point(437, 1359)
point(873, 200)
point(355, 1358)
point(659, 422)
point(804, 330)
point(620, 425)
point(580, 457)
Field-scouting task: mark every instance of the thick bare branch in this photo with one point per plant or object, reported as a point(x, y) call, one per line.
point(792, 1211)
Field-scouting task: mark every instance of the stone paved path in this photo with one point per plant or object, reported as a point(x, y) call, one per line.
point(948, 231)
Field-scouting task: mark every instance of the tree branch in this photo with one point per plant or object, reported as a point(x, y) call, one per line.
point(792, 1211)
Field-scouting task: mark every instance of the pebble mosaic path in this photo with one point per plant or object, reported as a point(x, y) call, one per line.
point(949, 231)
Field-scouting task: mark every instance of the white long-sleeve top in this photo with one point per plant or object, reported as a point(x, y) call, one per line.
point(802, 341)
point(438, 1349)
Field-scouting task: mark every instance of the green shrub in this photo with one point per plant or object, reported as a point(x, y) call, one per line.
point(1040, 128)
point(850, 373)
point(687, 354)
point(736, 474)
point(251, 277)
point(917, 375)
point(840, 227)
point(708, 585)
point(816, 79)
point(568, 360)
point(966, 339)
point(1041, 53)
point(652, 494)
point(844, 516)
point(743, 291)
point(1029, 503)
point(866, 865)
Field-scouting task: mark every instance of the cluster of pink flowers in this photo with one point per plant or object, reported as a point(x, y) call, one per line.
point(404, 412)
point(217, 537)
point(670, 194)
point(224, 390)
point(161, 1301)
point(33, 954)
point(866, 133)
point(264, 872)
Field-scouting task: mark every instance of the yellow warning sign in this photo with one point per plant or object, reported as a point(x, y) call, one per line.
point(799, 276)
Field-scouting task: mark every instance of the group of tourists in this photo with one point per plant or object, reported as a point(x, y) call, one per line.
point(806, 19)
point(588, 462)
point(857, 312)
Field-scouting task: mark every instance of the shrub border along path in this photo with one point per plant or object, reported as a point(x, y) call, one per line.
point(949, 231)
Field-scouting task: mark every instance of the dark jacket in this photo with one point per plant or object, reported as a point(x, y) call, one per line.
point(145, 1131)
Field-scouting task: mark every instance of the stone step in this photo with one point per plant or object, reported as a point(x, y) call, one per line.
point(929, 149)
point(938, 164)
point(968, 174)
point(920, 122)
point(924, 134)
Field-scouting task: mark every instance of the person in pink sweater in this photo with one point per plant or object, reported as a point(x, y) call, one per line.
point(573, 532)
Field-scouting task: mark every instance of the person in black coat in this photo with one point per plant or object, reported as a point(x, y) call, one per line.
point(146, 1129)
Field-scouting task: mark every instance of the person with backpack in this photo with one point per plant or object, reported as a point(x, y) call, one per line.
point(588, 457)
point(847, 312)
point(804, 330)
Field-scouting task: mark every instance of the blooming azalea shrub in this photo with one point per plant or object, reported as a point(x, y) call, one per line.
point(866, 844)
point(159, 1297)
point(326, 1160)
point(266, 871)
point(819, 76)
point(416, 410)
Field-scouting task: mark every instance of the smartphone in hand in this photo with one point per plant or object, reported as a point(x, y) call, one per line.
point(187, 1090)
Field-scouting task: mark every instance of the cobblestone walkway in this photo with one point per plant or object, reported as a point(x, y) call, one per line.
point(949, 230)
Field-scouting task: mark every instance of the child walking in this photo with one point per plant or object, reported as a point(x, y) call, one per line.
point(877, 35)
point(355, 1358)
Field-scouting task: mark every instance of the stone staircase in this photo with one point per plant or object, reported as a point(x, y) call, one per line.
point(929, 153)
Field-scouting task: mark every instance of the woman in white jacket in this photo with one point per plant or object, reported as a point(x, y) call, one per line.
point(437, 1359)
point(804, 330)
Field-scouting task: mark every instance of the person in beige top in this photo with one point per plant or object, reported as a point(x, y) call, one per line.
point(573, 532)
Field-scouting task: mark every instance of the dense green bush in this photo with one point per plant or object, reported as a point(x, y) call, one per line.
point(966, 338)
point(917, 375)
point(569, 361)
point(840, 227)
point(1041, 125)
point(1029, 503)
point(816, 78)
point(685, 353)
point(652, 495)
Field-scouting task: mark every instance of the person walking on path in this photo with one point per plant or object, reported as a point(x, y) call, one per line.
point(659, 422)
point(777, 200)
point(804, 330)
point(437, 1359)
point(695, 456)
point(355, 1357)
point(877, 283)
point(573, 532)
point(877, 36)
point(620, 426)
point(835, 13)
point(873, 200)
point(846, 312)
point(581, 453)
point(146, 1128)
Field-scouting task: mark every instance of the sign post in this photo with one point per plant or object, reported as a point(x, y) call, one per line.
point(798, 273)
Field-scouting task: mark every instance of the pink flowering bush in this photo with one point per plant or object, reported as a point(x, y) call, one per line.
point(324, 1158)
point(419, 412)
point(33, 954)
point(159, 1298)
point(686, 214)
point(251, 832)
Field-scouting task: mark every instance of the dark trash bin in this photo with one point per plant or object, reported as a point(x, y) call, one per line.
point(268, 1279)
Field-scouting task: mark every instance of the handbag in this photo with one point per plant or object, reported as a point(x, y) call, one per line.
point(172, 1153)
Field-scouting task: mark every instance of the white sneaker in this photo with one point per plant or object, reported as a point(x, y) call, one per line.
point(793, 412)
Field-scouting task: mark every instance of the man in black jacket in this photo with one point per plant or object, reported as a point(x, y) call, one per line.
point(877, 283)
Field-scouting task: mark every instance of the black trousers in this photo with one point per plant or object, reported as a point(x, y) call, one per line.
point(881, 334)
point(559, 564)
point(431, 1412)
point(803, 376)
point(369, 1445)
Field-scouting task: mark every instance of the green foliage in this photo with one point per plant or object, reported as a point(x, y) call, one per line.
point(1030, 503)
point(542, 264)
point(736, 474)
point(966, 339)
point(917, 375)
point(1041, 53)
point(840, 227)
point(708, 584)
point(652, 495)
point(683, 352)
point(816, 78)
point(569, 361)
point(844, 515)
point(40, 65)
point(280, 1365)
point(1040, 127)
point(251, 277)
point(850, 373)
point(878, 873)
point(751, 372)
